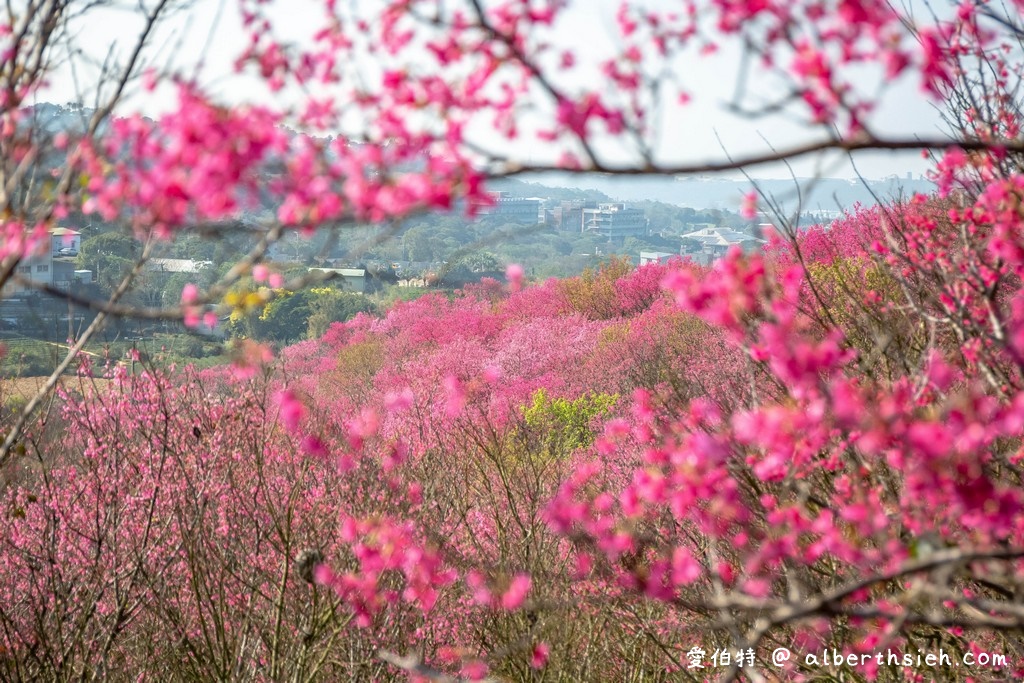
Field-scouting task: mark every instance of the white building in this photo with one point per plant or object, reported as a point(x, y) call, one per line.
point(352, 279)
point(708, 244)
point(54, 266)
point(614, 222)
point(65, 241)
point(654, 257)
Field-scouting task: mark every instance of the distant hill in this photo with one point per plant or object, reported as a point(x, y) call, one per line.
point(828, 194)
point(707, 192)
point(50, 119)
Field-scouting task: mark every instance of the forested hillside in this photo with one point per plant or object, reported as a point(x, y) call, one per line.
point(505, 479)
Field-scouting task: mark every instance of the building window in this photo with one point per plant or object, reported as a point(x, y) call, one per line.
point(43, 268)
point(24, 269)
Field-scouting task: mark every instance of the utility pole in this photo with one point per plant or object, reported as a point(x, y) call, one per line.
point(71, 327)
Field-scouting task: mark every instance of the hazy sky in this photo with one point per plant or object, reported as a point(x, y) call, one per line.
point(211, 32)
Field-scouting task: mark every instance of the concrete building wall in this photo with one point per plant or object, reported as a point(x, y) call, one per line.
point(615, 222)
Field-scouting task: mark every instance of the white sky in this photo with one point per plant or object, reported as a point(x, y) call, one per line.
point(212, 30)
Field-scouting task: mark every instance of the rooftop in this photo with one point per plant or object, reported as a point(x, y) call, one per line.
point(176, 265)
point(720, 236)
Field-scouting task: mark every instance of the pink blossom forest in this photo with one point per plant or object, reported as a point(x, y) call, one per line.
point(802, 462)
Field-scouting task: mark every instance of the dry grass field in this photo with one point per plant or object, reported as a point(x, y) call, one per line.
point(26, 387)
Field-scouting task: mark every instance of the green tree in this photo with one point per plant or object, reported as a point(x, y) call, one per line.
point(285, 318)
point(109, 255)
point(329, 305)
point(420, 243)
point(194, 247)
point(478, 262)
point(560, 425)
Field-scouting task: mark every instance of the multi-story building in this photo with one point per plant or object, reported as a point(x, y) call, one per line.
point(614, 222)
point(568, 215)
point(65, 241)
point(53, 266)
point(525, 210)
